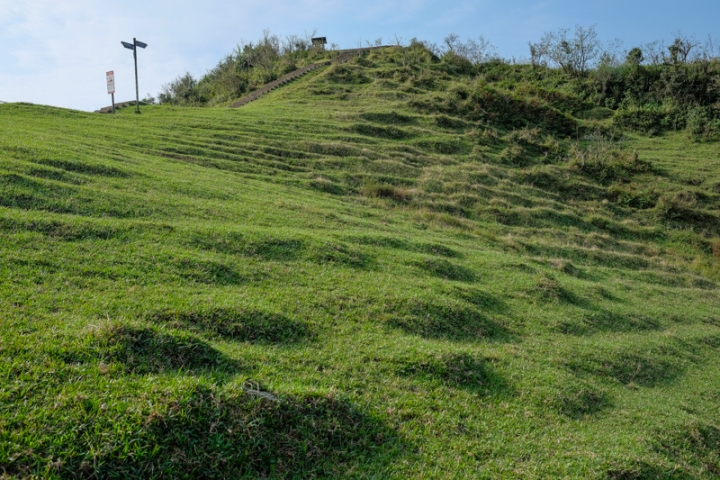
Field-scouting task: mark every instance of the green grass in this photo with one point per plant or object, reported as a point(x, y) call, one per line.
point(338, 281)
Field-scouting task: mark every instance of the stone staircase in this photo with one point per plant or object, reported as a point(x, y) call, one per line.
point(269, 87)
point(344, 56)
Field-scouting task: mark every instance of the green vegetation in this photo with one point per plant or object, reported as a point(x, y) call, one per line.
point(402, 266)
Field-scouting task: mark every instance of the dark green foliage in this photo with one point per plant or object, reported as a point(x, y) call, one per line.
point(502, 109)
point(703, 123)
point(658, 98)
point(652, 119)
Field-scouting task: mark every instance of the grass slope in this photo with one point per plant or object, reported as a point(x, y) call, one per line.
point(356, 277)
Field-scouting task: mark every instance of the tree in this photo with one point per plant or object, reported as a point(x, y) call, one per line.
point(575, 53)
point(634, 57)
point(476, 52)
point(181, 91)
point(681, 48)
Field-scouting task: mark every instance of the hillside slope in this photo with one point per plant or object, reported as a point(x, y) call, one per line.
point(377, 271)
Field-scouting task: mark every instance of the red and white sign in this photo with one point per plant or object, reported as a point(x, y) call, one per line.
point(111, 81)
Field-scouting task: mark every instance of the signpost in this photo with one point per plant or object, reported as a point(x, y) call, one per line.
point(133, 46)
point(111, 87)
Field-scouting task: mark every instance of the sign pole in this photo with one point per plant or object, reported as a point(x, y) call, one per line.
point(110, 76)
point(134, 46)
point(137, 88)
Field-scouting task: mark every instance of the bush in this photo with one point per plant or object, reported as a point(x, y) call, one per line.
point(605, 162)
point(652, 119)
point(701, 124)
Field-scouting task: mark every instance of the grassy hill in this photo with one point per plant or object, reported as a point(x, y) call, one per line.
point(381, 270)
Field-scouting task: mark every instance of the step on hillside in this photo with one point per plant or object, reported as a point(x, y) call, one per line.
point(344, 56)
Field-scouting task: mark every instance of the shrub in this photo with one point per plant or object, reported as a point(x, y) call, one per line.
point(652, 119)
point(605, 162)
point(701, 124)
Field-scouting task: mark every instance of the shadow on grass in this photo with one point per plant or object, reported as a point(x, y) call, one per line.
point(246, 325)
point(547, 289)
point(392, 118)
point(695, 443)
point(458, 371)
point(444, 269)
point(453, 321)
point(601, 320)
point(208, 272)
point(67, 230)
point(402, 244)
point(339, 254)
point(236, 243)
point(480, 299)
point(145, 350)
point(578, 399)
point(640, 470)
point(647, 366)
point(207, 434)
point(282, 249)
point(75, 166)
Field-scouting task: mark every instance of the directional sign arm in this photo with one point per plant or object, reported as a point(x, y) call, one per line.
point(127, 45)
point(140, 44)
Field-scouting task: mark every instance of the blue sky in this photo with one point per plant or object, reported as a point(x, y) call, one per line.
point(57, 52)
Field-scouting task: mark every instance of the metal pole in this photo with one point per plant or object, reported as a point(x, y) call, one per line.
point(137, 89)
point(113, 101)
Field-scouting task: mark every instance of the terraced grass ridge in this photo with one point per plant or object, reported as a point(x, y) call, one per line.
point(379, 270)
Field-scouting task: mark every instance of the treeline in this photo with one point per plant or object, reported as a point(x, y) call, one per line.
point(651, 88)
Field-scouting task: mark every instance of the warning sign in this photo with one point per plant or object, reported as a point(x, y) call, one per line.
point(111, 81)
